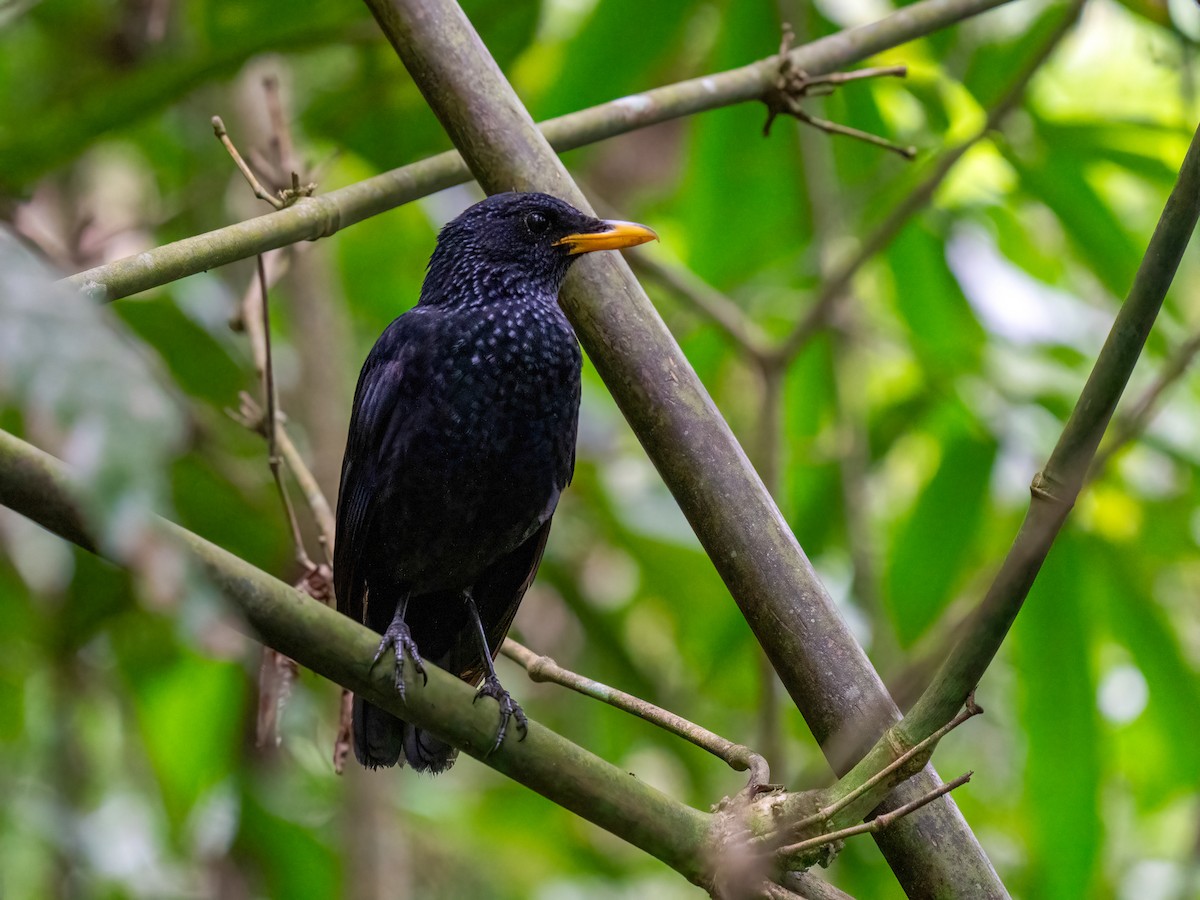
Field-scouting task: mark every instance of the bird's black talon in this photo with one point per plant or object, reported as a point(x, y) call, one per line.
point(398, 638)
point(509, 709)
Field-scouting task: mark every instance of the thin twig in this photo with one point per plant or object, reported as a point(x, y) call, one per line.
point(255, 185)
point(830, 127)
point(839, 78)
point(282, 198)
point(715, 306)
point(826, 813)
point(739, 757)
point(793, 84)
point(1130, 426)
point(271, 427)
point(879, 822)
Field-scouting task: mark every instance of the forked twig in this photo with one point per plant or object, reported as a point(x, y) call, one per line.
point(878, 823)
point(277, 673)
point(792, 85)
point(970, 710)
point(282, 198)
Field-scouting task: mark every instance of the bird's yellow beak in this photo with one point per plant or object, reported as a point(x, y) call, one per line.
point(617, 235)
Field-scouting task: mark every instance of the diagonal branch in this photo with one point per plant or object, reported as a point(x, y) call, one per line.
point(34, 484)
point(791, 613)
point(706, 299)
point(311, 218)
point(1056, 487)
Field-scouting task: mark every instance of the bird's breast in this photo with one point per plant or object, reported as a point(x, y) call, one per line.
point(496, 447)
point(511, 371)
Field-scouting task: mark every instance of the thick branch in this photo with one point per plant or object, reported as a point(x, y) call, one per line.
point(792, 615)
point(311, 218)
point(34, 484)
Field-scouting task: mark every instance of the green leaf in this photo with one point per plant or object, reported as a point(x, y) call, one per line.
point(84, 107)
point(1098, 236)
point(68, 364)
point(1057, 708)
point(648, 34)
point(742, 195)
point(932, 544)
point(190, 712)
point(942, 327)
point(1138, 621)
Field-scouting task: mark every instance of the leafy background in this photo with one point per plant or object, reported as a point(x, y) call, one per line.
point(910, 432)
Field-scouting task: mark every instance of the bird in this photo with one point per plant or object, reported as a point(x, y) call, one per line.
point(461, 441)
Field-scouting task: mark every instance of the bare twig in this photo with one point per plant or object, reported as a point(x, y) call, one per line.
point(711, 303)
point(739, 757)
point(277, 673)
point(254, 318)
point(793, 84)
point(914, 753)
point(255, 185)
point(1134, 423)
point(282, 198)
point(271, 427)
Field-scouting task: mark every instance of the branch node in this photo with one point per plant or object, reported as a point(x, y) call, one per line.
point(792, 84)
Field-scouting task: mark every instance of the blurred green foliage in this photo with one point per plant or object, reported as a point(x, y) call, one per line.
point(127, 758)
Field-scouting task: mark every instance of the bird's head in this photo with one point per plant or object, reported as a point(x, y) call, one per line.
point(527, 240)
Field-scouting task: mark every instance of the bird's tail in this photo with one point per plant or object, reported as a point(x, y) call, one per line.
point(380, 738)
point(425, 753)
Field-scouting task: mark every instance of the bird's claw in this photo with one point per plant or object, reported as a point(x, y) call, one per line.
point(509, 709)
point(399, 638)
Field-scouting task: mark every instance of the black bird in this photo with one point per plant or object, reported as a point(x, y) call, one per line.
point(461, 439)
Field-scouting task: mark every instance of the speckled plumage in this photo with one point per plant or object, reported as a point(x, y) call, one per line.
point(461, 440)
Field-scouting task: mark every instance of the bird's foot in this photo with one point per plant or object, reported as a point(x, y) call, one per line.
point(509, 709)
point(399, 638)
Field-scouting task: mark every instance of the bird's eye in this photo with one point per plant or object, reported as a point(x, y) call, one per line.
point(537, 223)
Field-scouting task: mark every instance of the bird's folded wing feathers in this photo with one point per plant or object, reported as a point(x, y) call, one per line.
point(379, 401)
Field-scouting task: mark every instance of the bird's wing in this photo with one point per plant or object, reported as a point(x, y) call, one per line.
point(383, 396)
